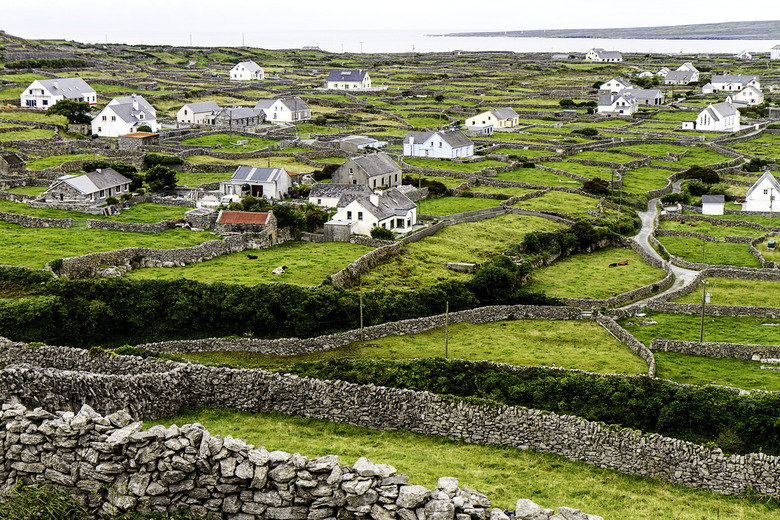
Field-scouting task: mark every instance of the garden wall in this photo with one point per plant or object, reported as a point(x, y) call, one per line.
point(718, 350)
point(369, 406)
point(35, 222)
point(350, 275)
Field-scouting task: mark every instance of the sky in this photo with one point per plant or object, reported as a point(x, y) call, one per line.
point(171, 21)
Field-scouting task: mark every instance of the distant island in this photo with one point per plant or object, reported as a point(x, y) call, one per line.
point(763, 30)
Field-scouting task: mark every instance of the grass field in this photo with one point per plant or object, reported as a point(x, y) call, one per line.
point(714, 253)
point(711, 229)
point(576, 344)
point(696, 155)
point(227, 142)
point(23, 135)
point(144, 213)
point(503, 191)
point(700, 370)
point(561, 202)
point(451, 205)
point(503, 473)
point(521, 152)
point(766, 146)
point(34, 247)
point(41, 117)
point(603, 156)
point(291, 164)
point(192, 179)
point(540, 177)
point(422, 263)
point(727, 291)
point(28, 190)
point(451, 165)
point(686, 327)
point(564, 277)
point(308, 264)
point(582, 169)
point(57, 160)
point(641, 180)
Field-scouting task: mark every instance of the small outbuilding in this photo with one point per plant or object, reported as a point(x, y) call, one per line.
point(712, 204)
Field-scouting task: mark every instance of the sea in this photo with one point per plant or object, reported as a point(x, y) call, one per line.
point(407, 41)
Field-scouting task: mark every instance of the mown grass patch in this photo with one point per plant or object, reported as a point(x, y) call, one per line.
point(564, 277)
point(570, 344)
point(522, 152)
point(502, 191)
point(766, 145)
point(675, 116)
point(562, 202)
point(143, 213)
point(28, 190)
point(34, 247)
point(582, 169)
point(25, 77)
point(451, 205)
point(685, 327)
point(503, 473)
point(719, 253)
point(23, 135)
point(308, 264)
point(423, 263)
point(40, 117)
point(603, 156)
point(699, 370)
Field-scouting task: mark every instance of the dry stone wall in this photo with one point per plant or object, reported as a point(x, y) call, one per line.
point(369, 406)
point(35, 222)
point(717, 350)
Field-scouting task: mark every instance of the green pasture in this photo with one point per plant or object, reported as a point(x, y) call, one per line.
point(707, 228)
point(40, 117)
point(50, 161)
point(441, 164)
point(540, 177)
point(644, 179)
point(23, 135)
point(291, 164)
point(229, 142)
point(452, 205)
point(719, 253)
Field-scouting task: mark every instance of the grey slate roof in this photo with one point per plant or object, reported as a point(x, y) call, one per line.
point(142, 103)
point(721, 110)
point(255, 174)
point(326, 190)
point(641, 93)
point(679, 75)
point(504, 113)
point(127, 113)
point(607, 54)
point(456, 138)
point(291, 103)
point(203, 106)
point(419, 137)
point(376, 164)
point(92, 182)
point(391, 203)
point(713, 199)
point(71, 88)
point(251, 66)
point(733, 78)
point(240, 112)
point(347, 75)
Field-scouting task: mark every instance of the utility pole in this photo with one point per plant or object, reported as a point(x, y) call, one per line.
point(771, 198)
point(361, 309)
point(703, 244)
point(446, 329)
point(703, 297)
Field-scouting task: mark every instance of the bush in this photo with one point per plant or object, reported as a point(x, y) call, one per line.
point(596, 186)
point(154, 159)
point(567, 103)
point(144, 128)
point(672, 198)
point(697, 189)
point(56, 265)
point(706, 175)
point(112, 200)
point(587, 132)
point(160, 178)
point(91, 166)
point(381, 233)
point(41, 502)
point(756, 164)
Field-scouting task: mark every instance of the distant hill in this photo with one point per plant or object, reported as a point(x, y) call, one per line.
point(763, 30)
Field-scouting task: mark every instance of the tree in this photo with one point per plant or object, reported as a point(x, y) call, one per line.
point(144, 128)
point(77, 112)
point(160, 178)
point(596, 186)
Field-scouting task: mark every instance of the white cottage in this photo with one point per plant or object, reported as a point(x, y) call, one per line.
point(495, 117)
point(600, 56)
point(284, 110)
point(271, 183)
point(732, 82)
point(449, 144)
point(89, 188)
point(623, 104)
point(680, 77)
point(646, 96)
point(376, 170)
point(123, 115)
point(749, 95)
point(246, 71)
point(203, 113)
point(390, 209)
point(328, 195)
point(763, 194)
point(774, 53)
point(348, 80)
point(720, 117)
point(44, 93)
point(615, 85)
point(712, 204)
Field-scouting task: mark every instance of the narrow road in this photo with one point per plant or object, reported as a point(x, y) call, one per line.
point(682, 276)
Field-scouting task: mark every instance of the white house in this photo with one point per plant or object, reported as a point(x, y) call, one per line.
point(376, 170)
point(662, 72)
point(721, 117)
point(246, 71)
point(646, 96)
point(496, 117)
point(390, 209)
point(623, 104)
point(763, 194)
point(123, 115)
point(743, 55)
point(284, 110)
point(712, 204)
point(774, 53)
point(732, 83)
point(358, 143)
point(43, 93)
point(89, 188)
point(600, 55)
point(644, 74)
point(348, 80)
point(203, 113)
point(615, 85)
point(327, 195)
point(749, 95)
point(448, 144)
point(681, 77)
point(271, 183)
point(689, 67)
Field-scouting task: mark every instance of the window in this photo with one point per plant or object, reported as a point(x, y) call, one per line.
point(319, 202)
point(45, 102)
point(392, 224)
point(360, 215)
point(400, 222)
point(30, 102)
point(105, 118)
point(113, 118)
point(766, 192)
point(374, 183)
point(354, 181)
point(349, 215)
point(185, 111)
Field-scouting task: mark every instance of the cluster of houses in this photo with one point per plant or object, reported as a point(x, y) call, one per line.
point(619, 97)
point(337, 79)
point(278, 110)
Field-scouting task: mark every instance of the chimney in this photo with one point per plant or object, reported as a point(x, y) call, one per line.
point(135, 102)
point(411, 139)
point(374, 199)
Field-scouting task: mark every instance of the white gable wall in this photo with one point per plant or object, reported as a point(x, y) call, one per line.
point(108, 124)
point(759, 198)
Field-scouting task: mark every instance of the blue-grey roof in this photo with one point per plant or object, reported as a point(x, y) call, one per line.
point(376, 164)
point(95, 181)
point(251, 66)
point(327, 190)
point(255, 174)
point(70, 88)
point(347, 75)
point(203, 106)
